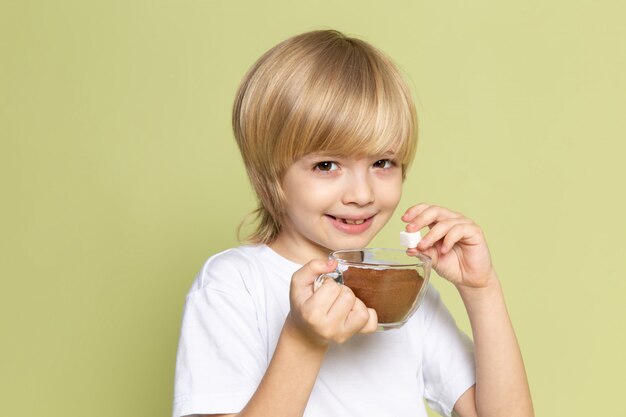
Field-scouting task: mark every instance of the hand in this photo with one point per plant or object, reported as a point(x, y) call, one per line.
point(332, 313)
point(455, 244)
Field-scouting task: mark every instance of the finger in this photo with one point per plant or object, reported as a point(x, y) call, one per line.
point(414, 211)
point(431, 252)
point(343, 304)
point(372, 322)
point(358, 318)
point(439, 231)
point(432, 214)
point(324, 298)
point(469, 233)
point(305, 276)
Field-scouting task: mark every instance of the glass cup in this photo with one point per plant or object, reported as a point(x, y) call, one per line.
point(387, 280)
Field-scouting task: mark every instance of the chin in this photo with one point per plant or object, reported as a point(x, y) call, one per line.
point(352, 243)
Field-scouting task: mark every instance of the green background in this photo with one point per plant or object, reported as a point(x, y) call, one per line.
point(119, 177)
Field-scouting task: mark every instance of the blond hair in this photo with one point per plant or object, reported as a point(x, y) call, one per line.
point(320, 91)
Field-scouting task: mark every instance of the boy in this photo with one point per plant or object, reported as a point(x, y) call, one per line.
point(326, 127)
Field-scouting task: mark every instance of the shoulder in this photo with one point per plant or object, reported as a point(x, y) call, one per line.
point(229, 270)
point(432, 306)
point(432, 299)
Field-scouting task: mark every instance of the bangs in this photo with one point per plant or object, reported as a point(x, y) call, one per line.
point(351, 101)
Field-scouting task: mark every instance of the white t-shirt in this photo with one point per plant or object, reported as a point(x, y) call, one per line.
point(233, 317)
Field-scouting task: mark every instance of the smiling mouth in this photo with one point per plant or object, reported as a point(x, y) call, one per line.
point(350, 221)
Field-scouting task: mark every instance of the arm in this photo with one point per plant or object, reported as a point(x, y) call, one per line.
point(332, 313)
point(501, 384)
point(460, 254)
point(289, 379)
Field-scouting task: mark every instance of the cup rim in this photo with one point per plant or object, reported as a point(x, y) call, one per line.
point(421, 259)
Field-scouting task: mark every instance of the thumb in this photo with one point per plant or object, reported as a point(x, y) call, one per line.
point(304, 277)
point(431, 252)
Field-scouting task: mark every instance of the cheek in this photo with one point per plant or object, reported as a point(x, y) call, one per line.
point(310, 199)
point(315, 195)
point(391, 193)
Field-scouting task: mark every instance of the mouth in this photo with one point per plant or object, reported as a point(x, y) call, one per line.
point(350, 221)
point(352, 225)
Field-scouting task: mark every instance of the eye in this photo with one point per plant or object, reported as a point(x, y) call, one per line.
point(326, 166)
point(384, 163)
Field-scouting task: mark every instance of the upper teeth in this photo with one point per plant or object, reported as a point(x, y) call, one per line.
point(348, 221)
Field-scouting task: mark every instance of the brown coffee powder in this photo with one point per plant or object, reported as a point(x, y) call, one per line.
point(391, 292)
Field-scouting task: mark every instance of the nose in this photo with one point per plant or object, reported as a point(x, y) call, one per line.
point(358, 190)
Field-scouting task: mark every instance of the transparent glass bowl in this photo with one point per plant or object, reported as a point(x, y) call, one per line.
point(387, 280)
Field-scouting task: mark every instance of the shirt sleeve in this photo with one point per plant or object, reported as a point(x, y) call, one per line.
point(448, 361)
point(220, 360)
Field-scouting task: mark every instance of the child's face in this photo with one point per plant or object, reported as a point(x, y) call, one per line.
point(336, 203)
